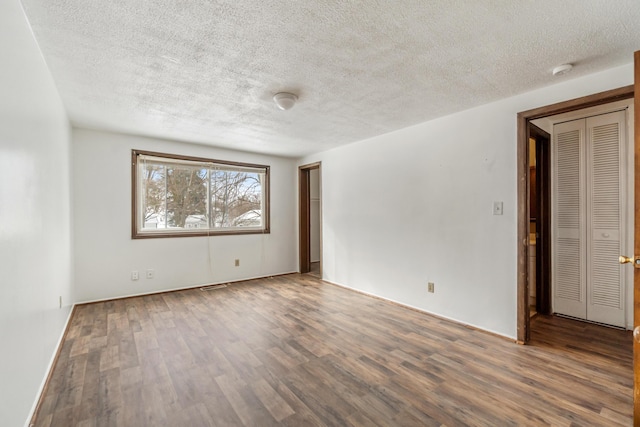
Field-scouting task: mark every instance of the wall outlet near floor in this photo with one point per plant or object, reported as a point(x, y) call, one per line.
point(134, 275)
point(150, 274)
point(237, 263)
point(431, 287)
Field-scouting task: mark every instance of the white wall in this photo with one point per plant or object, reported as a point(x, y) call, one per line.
point(414, 206)
point(35, 219)
point(106, 254)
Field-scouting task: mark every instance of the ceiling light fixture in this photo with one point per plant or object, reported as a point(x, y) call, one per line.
point(285, 100)
point(562, 69)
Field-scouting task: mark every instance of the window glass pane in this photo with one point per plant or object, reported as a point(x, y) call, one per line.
point(154, 196)
point(186, 197)
point(236, 198)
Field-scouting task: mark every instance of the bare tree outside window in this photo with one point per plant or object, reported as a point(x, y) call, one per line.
point(186, 194)
point(154, 189)
point(233, 195)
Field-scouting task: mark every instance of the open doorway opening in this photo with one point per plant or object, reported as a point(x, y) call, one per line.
point(590, 212)
point(524, 188)
point(310, 219)
point(539, 220)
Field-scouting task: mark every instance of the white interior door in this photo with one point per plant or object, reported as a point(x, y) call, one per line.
point(589, 218)
point(569, 245)
point(606, 215)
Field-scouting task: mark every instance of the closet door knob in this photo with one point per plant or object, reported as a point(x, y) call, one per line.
point(636, 334)
point(628, 260)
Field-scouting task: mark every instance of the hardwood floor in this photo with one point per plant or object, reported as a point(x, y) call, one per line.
point(294, 351)
point(315, 270)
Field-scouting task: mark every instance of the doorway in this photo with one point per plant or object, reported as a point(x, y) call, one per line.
point(310, 218)
point(539, 220)
point(591, 211)
point(524, 179)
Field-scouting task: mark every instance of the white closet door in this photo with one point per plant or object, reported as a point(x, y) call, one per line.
point(605, 193)
point(569, 242)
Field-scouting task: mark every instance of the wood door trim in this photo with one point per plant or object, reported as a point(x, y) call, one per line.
point(523, 118)
point(304, 220)
point(636, 244)
point(596, 99)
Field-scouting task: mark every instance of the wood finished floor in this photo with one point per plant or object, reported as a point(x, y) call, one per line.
point(315, 270)
point(294, 351)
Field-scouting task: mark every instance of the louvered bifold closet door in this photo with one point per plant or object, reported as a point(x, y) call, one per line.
point(569, 240)
point(605, 287)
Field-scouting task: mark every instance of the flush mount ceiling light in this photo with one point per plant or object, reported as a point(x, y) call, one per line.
point(562, 69)
point(285, 100)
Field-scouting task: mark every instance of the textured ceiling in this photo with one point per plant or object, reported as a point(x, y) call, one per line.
point(205, 71)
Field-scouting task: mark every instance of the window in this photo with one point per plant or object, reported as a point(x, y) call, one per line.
point(189, 196)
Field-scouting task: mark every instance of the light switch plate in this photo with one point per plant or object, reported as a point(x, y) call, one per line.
point(497, 208)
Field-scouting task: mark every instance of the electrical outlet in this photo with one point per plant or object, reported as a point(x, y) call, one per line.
point(134, 275)
point(60, 300)
point(431, 287)
point(150, 274)
point(237, 263)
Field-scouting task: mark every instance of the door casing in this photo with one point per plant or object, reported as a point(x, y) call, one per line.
point(636, 243)
point(304, 219)
point(523, 119)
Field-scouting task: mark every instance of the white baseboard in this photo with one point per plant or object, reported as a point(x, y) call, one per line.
point(47, 372)
point(411, 307)
point(183, 288)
